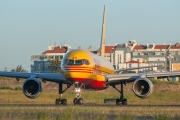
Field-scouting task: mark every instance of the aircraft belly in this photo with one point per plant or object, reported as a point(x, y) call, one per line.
point(89, 80)
point(97, 85)
point(96, 82)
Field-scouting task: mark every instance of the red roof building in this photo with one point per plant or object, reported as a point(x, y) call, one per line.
point(161, 46)
point(140, 47)
point(57, 49)
point(176, 46)
point(108, 49)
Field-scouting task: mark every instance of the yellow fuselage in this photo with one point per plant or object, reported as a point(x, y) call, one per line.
point(84, 67)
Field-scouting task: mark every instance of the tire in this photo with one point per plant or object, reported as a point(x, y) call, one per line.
point(118, 102)
point(64, 102)
point(80, 101)
point(75, 101)
point(124, 102)
point(57, 101)
point(104, 100)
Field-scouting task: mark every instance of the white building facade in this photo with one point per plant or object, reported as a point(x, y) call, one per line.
point(166, 57)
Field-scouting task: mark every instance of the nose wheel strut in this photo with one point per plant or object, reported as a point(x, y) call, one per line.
point(78, 100)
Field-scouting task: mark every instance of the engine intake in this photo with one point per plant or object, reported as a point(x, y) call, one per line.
point(142, 87)
point(32, 88)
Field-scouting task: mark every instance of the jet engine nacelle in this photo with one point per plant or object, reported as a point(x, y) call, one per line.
point(142, 87)
point(32, 88)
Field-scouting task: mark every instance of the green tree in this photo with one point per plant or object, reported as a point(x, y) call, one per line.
point(19, 68)
point(55, 65)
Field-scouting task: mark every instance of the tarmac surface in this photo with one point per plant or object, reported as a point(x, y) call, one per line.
point(90, 105)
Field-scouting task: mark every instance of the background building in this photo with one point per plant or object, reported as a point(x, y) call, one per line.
point(41, 62)
point(107, 52)
point(166, 57)
point(130, 54)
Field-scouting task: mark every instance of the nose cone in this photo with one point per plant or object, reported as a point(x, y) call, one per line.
point(77, 70)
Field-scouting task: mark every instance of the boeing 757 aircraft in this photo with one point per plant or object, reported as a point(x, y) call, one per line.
point(83, 69)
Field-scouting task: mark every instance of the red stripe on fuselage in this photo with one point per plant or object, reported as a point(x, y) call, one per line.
point(69, 67)
point(78, 68)
point(81, 71)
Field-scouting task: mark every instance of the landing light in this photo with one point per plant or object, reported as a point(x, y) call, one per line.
point(77, 90)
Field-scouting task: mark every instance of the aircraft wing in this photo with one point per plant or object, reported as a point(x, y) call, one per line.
point(131, 77)
point(132, 68)
point(53, 77)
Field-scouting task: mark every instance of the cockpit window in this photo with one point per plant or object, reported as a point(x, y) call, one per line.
point(86, 62)
point(76, 62)
point(70, 62)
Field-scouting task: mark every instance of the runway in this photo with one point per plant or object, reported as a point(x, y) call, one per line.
point(88, 105)
point(90, 111)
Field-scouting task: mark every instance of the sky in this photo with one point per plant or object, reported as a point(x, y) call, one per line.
point(27, 26)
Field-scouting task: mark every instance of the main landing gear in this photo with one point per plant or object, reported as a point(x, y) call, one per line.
point(78, 100)
point(121, 100)
point(61, 100)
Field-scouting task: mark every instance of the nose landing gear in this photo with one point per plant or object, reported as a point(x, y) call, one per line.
point(78, 100)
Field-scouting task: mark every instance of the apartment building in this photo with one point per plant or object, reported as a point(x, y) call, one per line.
point(131, 54)
point(108, 50)
point(41, 62)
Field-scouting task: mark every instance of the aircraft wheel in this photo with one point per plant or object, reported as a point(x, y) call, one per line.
point(57, 102)
point(80, 101)
point(75, 101)
point(61, 102)
point(121, 102)
point(64, 102)
point(124, 102)
point(118, 102)
point(104, 100)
